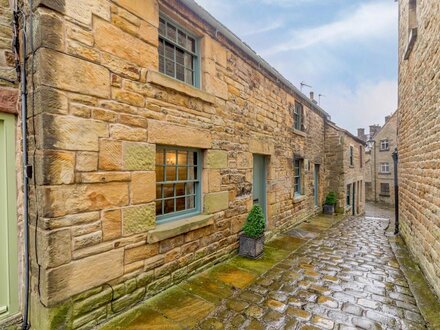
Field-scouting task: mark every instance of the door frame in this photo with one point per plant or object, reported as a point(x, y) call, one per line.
point(264, 181)
point(353, 189)
point(8, 211)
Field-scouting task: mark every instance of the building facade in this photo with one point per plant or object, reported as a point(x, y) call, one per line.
point(345, 154)
point(418, 133)
point(152, 130)
point(379, 172)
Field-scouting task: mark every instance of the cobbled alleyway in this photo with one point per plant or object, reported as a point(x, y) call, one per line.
point(344, 275)
point(346, 279)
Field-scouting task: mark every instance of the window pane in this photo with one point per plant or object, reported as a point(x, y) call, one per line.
point(159, 191)
point(168, 190)
point(181, 39)
point(169, 68)
point(171, 174)
point(190, 202)
point(161, 27)
point(180, 204)
point(171, 32)
point(158, 207)
point(180, 57)
point(190, 189)
point(161, 64)
point(180, 72)
point(169, 206)
point(182, 158)
point(180, 189)
point(189, 59)
point(191, 44)
point(189, 77)
point(160, 157)
point(171, 158)
point(183, 173)
point(159, 174)
point(169, 51)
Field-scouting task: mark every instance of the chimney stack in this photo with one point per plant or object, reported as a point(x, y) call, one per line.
point(312, 97)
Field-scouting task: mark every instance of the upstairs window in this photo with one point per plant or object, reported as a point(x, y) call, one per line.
point(178, 53)
point(298, 164)
point(384, 167)
point(384, 145)
point(178, 172)
point(351, 156)
point(298, 117)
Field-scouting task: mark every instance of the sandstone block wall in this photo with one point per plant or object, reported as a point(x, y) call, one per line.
point(339, 169)
point(100, 109)
point(418, 136)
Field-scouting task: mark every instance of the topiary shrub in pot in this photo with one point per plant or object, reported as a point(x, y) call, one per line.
point(252, 239)
point(330, 203)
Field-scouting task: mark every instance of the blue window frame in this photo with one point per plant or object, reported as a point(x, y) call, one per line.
point(178, 178)
point(178, 53)
point(298, 164)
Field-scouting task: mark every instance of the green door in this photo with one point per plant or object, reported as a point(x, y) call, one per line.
point(259, 182)
point(8, 219)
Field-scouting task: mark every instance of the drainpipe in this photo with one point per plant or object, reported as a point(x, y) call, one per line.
point(396, 191)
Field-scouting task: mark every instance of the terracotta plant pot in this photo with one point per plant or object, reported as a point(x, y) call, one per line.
point(251, 247)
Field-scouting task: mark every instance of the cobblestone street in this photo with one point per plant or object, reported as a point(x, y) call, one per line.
point(346, 278)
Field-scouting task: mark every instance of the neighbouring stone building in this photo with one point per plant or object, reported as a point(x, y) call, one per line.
point(418, 132)
point(152, 130)
point(345, 154)
point(379, 171)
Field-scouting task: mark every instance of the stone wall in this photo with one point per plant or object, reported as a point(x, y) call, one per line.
point(100, 109)
point(418, 136)
point(340, 172)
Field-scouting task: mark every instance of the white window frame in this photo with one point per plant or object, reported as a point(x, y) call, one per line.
point(385, 167)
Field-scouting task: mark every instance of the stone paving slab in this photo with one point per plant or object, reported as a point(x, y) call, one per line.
point(347, 278)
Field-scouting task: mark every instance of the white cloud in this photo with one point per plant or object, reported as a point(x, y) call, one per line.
point(367, 105)
point(371, 20)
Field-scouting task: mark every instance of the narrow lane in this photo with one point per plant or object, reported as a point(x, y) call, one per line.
point(347, 278)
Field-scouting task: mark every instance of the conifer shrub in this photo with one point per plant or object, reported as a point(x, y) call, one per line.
point(255, 222)
point(331, 199)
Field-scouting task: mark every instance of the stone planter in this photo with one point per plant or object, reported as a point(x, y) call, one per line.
point(329, 209)
point(251, 247)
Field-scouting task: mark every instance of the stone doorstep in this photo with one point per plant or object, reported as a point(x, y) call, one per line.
point(228, 274)
point(427, 301)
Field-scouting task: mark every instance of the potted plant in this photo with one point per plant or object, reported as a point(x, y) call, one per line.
point(330, 203)
point(252, 239)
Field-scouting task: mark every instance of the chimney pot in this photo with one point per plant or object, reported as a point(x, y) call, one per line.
point(312, 96)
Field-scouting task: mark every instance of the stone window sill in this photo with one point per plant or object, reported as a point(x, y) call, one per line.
point(384, 195)
point(299, 198)
point(178, 227)
point(163, 80)
point(411, 41)
point(384, 173)
point(298, 132)
point(382, 150)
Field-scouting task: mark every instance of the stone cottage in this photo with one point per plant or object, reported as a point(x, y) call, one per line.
point(418, 133)
point(379, 173)
point(151, 131)
point(345, 155)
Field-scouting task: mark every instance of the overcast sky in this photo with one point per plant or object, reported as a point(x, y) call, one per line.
point(345, 49)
